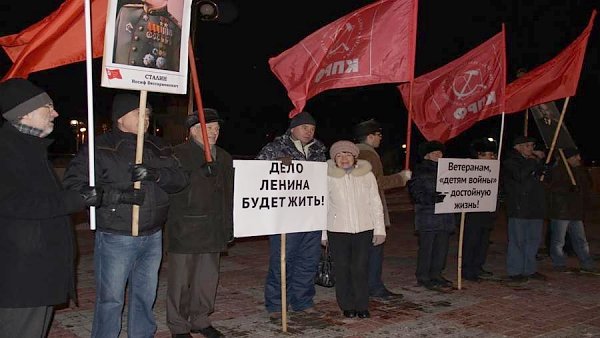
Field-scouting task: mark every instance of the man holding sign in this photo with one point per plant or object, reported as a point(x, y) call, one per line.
point(121, 259)
point(302, 248)
point(433, 229)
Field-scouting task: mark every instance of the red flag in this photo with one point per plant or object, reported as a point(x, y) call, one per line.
point(553, 80)
point(113, 73)
point(374, 44)
point(452, 98)
point(56, 40)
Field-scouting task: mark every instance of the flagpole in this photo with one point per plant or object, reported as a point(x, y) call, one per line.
point(196, 84)
point(408, 127)
point(503, 107)
point(567, 166)
point(556, 132)
point(90, 105)
point(413, 56)
point(526, 122)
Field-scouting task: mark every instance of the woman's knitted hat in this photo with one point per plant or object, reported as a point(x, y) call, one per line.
point(343, 146)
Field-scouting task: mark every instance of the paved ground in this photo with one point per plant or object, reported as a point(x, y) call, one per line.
point(566, 305)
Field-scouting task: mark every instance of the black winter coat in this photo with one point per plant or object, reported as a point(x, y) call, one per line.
point(115, 153)
point(567, 201)
point(201, 216)
point(36, 235)
point(422, 191)
point(524, 192)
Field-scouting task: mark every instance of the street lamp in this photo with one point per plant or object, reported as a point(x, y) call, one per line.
point(79, 130)
point(222, 11)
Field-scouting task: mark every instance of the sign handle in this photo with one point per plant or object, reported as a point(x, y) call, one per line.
point(460, 249)
point(139, 155)
point(283, 286)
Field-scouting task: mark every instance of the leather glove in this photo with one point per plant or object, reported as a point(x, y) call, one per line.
point(378, 239)
point(209, 169)
point(92, 196)
point(439, 197)
point(286, 160)
point(544, 170)
point(139, 172)
point(130, 196)
point(574, 188)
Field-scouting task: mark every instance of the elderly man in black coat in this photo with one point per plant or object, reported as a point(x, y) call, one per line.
point(36, 236)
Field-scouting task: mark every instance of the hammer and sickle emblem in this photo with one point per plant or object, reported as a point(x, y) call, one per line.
point(467, 89)
point(344, 33)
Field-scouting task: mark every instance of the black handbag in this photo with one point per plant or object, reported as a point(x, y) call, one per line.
point(325, 271)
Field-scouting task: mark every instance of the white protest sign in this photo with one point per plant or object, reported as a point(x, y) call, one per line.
point(469, 185)
point(271, 198)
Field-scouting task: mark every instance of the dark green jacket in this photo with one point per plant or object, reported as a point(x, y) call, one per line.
point(201, 215)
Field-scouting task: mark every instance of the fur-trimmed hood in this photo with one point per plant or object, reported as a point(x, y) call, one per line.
point(362, 168)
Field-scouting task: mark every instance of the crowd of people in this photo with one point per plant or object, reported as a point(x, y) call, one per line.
point(186, 191)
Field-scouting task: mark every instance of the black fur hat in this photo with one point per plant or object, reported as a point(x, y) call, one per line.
point(430, 146)
point(366, 128)
point(210, 115)
point(483, 145)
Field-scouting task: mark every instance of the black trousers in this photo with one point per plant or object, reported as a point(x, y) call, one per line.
point(432, 254)
point(476, 242)
point(351, 258)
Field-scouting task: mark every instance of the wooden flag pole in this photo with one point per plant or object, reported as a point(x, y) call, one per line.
point(567, 166)
point(526, 122)
point(139, 155)
point(408, 127)
point(283, 277)
point(460, 249)
point(556, 132)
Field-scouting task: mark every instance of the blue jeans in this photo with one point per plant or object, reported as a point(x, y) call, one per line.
point(524, 238)
point(117, 260)
point(302, 252)
point(579, 243)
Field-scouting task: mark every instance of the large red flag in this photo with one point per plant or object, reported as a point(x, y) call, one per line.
point(555, 79)
point(452, 98)
point(56, 40)
point(374, 44)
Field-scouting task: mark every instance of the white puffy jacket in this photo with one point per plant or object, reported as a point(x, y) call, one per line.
point(354, 202)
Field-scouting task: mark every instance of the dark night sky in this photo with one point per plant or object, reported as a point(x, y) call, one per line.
point(236, 79)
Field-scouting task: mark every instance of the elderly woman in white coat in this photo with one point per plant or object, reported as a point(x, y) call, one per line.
point(355, 221)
